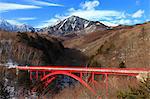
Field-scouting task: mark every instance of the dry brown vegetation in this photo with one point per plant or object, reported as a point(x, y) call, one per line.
point(17, 51)
point(6, 75)
point(119, 88)
point(116, 85)
point(123, 44)
point(36, 49)
point(129, 44)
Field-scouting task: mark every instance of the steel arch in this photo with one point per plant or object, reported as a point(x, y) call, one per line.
point(70, 75)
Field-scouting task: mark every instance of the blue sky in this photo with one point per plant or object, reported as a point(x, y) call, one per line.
point(41, 13)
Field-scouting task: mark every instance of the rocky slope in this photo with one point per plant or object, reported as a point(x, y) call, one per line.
point(4, 25)
point(122, 44)
point(36, 49)
point(74, 25)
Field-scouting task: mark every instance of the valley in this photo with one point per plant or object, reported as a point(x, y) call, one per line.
point(73, 42)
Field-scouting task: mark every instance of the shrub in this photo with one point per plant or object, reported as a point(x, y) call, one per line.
point(4, 93)
point(122, 65)
point(141, 92)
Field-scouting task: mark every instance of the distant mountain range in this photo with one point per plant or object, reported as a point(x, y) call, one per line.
point(4, 25)
point(71, 25)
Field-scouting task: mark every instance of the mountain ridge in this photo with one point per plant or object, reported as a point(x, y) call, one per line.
point(73, 24)
point(5, 25)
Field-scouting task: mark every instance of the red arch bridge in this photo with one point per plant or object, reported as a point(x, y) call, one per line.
point(49, 73)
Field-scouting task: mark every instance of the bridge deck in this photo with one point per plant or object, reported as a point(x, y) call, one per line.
point(86, 69)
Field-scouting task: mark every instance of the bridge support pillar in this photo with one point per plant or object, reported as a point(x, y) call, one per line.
point(81, 75)
point(44, 74)
point(36, 75)
point(30, 75)
point(106, 85)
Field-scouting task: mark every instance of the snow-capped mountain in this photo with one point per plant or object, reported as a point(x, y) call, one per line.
point(73, 24)
point(4, 25)
point(24, 28)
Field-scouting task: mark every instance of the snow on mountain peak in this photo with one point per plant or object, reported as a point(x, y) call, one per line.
point(4, 25)
point(70, 24)
point(67, 26)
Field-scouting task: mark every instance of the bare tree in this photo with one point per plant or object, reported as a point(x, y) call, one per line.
point(4, 93)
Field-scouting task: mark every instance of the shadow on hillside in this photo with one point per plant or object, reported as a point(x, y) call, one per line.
point(72, 57)
point(37, 49)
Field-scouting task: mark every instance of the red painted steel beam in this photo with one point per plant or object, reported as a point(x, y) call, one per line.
point(106, 84)
point(37, 76)
point(49, 81)
point(120, 71)
point(30, 75)
point(70, 75)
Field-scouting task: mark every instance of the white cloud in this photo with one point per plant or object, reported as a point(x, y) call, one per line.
point(137, 2)
point(56, 19)
point(138, 14)
point(109, 23)
point(96, 14)
point(13, 6)
point(19, 21)
point(5, 6)
point(147, 20)
point(26, 18)
point(43, 3)
point(136, 21)
point(46, 23)
point(121, 21)
point(88, 11)
point(89, 5)
point(124, 21)
point(14, 22)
